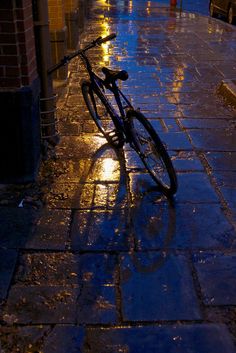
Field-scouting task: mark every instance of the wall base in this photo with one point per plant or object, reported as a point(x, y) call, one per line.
point(20, 134)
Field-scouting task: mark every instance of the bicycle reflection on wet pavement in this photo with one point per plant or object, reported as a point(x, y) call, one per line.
point(138, 218)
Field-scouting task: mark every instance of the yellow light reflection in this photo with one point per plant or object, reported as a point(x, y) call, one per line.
point(179, 74)
point(178, 82)
point(108, 169)
point(106, 55)
point(105, 31)
point(130, 6)
point(148, 8)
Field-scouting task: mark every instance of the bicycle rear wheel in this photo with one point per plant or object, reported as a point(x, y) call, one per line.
point(101, 111)
point(152, 153)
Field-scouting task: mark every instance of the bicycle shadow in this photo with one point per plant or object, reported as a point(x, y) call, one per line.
point(153, 220)
point(102, 224)
point(113, 219)
point(103, 235)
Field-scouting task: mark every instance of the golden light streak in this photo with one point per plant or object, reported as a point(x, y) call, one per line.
point(108, 169)
point(130, 6)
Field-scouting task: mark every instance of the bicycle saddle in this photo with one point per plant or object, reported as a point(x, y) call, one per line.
point(113, 75)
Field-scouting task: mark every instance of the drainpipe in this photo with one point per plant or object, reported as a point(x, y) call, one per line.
point(44, 61)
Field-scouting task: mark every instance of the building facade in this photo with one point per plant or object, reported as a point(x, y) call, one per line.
point(34, 34)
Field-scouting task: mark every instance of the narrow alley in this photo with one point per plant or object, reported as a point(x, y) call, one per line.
point(99, 260)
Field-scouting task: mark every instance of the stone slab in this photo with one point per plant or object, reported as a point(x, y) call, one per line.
point(51, 230)
point(65, 269)
point(23, 339)
point(226, 181)
point(98, 269)
point(214, 139)
point(63, 339)
point(153, 283)
point(41, 305)
point(17, 225)
point(97, 305)
point(225, 161)
point(217, 276)
point(195, 187)
point(227, 89)
point(48, 268)
point(87, 196)
point(7, 265)
point(99, 230)
point(176, 141)
point(204, 338)
point(184, 226)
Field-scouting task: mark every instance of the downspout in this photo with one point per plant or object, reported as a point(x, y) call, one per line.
point(44, 61)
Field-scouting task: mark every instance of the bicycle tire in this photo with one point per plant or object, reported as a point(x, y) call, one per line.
point(100, 110)
point(152, 152)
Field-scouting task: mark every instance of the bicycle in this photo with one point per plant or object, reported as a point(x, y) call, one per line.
point(119, 122)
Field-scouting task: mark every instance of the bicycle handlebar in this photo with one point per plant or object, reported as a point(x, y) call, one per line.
point(106, 39)
point(67, 58)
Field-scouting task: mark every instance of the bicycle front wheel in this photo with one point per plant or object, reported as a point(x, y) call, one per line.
point(101, 111)
point(152, 152)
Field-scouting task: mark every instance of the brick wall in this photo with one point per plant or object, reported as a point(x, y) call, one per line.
point(17, 48)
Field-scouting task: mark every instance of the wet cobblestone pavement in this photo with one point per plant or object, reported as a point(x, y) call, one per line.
point(96, 259)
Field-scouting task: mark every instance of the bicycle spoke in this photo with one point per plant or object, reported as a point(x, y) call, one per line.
point(153, 154)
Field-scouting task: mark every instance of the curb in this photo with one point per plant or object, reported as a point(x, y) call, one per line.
point(227, 89)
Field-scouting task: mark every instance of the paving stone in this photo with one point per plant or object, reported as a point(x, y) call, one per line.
point(182, 161)
point(226, 181)
point(217, 273)
point(142, 183)
point(214, 140)
point(186, 161)
point(176, 141)
point(97, 305)
point(230, 197)
point(87, 196)
point(105, 169)
point(47, 268)
point(99, 230)
point(68, 147)
point(205, 124)
point(205, 110)
point(132, 160)
point(17, 225)
point(154, 222)
point(7, 265)
point(51, 231)
point(41, 305)
point(195, 187)
point(23, 339)
point(159, 225)
point(64, 339)
point(157, 280)
point(98, 269)
point(204, 338)
point(164, 125)
point(222, 160)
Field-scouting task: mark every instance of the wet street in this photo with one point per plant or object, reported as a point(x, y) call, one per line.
point(101, 261)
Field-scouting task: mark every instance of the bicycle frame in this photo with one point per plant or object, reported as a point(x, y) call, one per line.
point(99, 83)
point(126, 120)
